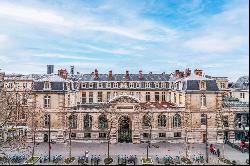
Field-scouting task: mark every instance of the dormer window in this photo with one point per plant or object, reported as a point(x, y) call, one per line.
point(222, 85)
point(147, 85)
point(163, 85)
point(202, 85)
point(167, 85)
point(99, 85)
point(137, 85)
point(131, 85)
point(91, 85)
point(109, 85)
point(46, 85)
point(84, 85)
point(156, 85)
point(115, 85)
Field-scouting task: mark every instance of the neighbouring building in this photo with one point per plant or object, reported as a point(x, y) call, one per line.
point(133, 107)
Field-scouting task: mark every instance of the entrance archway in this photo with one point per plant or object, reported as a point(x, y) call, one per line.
point(125, 130)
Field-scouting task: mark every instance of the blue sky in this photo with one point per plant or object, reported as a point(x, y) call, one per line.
point(151, 35)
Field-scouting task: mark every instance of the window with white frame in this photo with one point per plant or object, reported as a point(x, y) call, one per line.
point(84, 97)
point(138, 85)
point(203, 100)
point(156, 84)
point(147, 96)
point(17, 85)
point(91, 97)
point(68, 99)
point(163, 85)
point(46, 85)
point(91, 85)
point(222, 85)
point(47, 101)
point(84, 85)
point(100, 85)
point(202, 85)
point(108, 85)
point(25, 85)
point(147, 84)
point(157, 96)
point(138, 95)
point(115, 85)
point(163, 96)
point(242, 95)
point(131, 85)
point(46, 120)
point(180, 99)
point(99, 97)
point(167, 85)
point(176, 121)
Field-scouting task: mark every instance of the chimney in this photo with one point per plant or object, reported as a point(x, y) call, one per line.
point(63, 73)
point(163, 73)
point(151, 72)
point(182, 74)
point(198, 72)
point(96, 74)
point(72, 71)
point(177, 73)
point(50, 69)
point(140, 75)
point(127, 75)
point(187, 72)
point(110, 75)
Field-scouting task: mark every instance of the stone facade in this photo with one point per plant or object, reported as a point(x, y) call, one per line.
point(173, 104)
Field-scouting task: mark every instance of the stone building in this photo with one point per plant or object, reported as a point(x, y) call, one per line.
point(134, 107)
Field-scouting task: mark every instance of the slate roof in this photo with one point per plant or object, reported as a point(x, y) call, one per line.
point(242, 83)
point(121, 77)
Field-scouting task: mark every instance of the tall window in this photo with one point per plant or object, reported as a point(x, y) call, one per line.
point(108, 96)
point(222, 85)
point(203, 101)
point(174, 98)
point(180, 99)
point(73, 121)
point(131, 85)
point(103, 122)
point(177, 120)
point(99, 85)
point(138, 95)
point(203, 119)
point(91, 97)
point(163, 96)
point(169, 97)
point(162, 121)
point(157, 96)
point(242, 95)
point(25, 85)
point(46, 101)
point(46, 120)
point(99, 97)
point(202, 85)
point(225, 121)
point(84, 97)
point(146, 121)
point(87, 121)
point(68, 100)
point(147, 96)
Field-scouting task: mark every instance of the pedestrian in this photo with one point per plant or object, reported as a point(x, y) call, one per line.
point(218, 152)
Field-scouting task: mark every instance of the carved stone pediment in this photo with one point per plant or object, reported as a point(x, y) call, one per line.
point(124, 99)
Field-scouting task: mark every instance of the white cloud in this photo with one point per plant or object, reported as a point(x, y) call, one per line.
point(5, 41)
point(212, 44)
point(64, 56)
point(32, 14)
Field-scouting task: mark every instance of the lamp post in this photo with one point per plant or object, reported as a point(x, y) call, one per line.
point(70, 123)
point(49, 138)
point(206, 137)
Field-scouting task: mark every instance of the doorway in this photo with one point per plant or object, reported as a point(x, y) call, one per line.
point(124, 130)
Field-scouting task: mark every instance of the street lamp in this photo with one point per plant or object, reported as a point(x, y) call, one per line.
point(70, 123)
point(206, 137)
point(49, 137)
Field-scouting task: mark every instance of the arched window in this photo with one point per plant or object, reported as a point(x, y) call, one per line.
point(87, 121)
point(103, 122)
point(203, 101)
point(146, 121)
point(162, 121)
point(73, 121)
point(177, 120)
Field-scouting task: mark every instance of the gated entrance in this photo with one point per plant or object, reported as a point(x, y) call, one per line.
point(124, 130)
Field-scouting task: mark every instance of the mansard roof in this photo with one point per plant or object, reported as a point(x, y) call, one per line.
point(211, 85)
point(242, 83)
point(121, 77)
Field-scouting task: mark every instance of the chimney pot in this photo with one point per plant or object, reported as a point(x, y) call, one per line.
point(140, 75)
point(127, 75)
point(96, 74)
point(63, 73)
point(110, 75)
point(198, 72)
